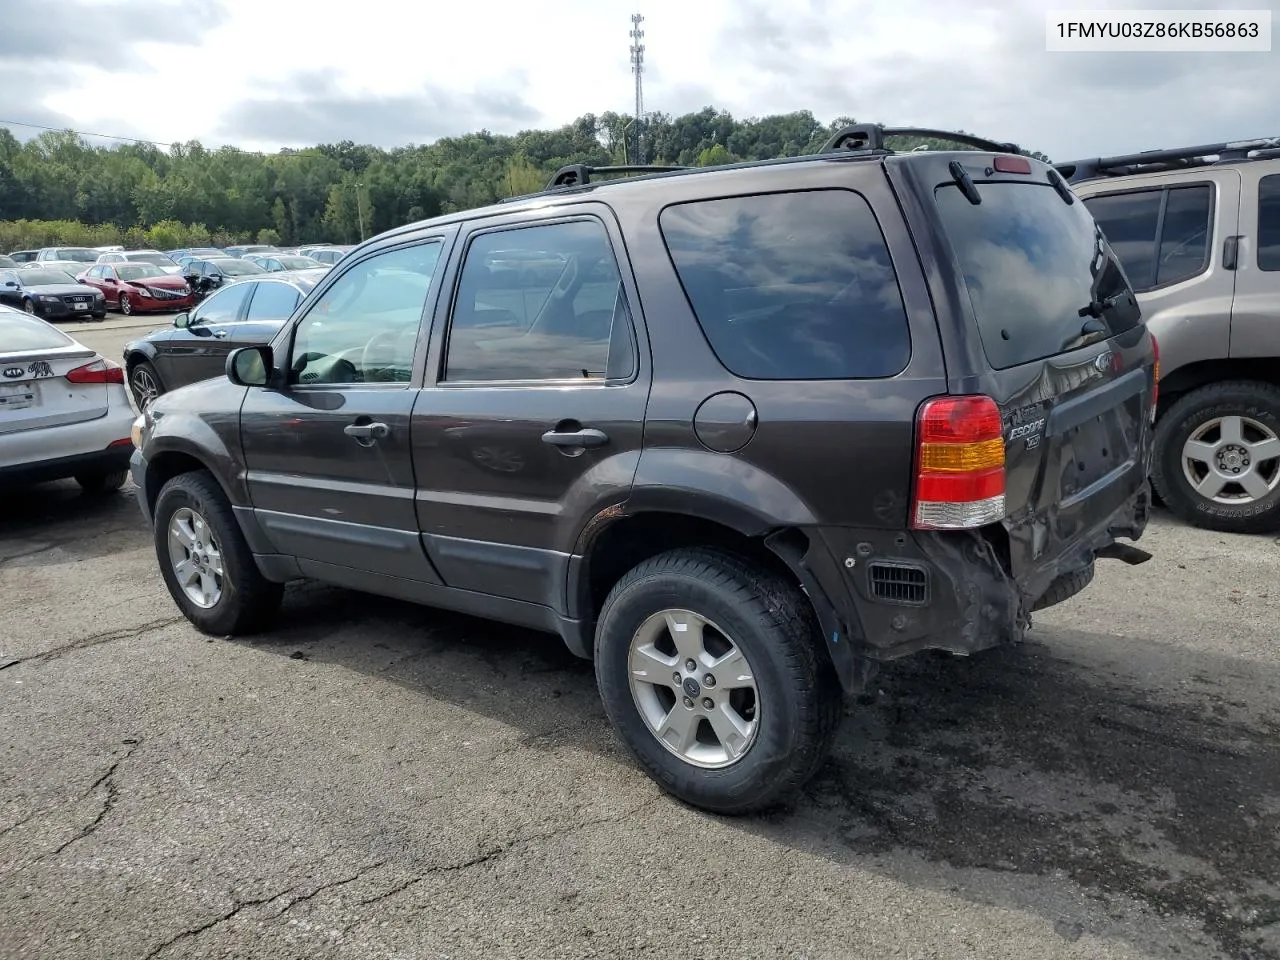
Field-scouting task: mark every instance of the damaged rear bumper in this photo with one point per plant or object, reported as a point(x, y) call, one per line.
point(887, 595)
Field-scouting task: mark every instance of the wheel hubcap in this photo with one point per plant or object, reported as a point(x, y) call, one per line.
point(694, 688)
point(1232, 460)
point(196, 557)
point(145, 387)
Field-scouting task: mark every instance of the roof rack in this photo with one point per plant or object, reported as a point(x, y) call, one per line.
point(579, 174)
point(871, 136)
point(1177, 158)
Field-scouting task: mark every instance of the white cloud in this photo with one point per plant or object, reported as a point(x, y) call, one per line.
point(263, 73)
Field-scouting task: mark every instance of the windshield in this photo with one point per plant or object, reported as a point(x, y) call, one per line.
point(78, 254)
point(43, 275)
point(239, 268)
point(1034, 275)
point(159, 259)
point(129, 271)
point(19, 333)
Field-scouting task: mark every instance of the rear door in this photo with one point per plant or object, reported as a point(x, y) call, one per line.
point(1052, 332)
point(1255, 314)
point(35, 393)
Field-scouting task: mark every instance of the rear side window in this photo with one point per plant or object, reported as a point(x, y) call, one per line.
point(272, 301)
point(1031, 266)
point(791, 286)
point(1269, 222)
point(1161, 236)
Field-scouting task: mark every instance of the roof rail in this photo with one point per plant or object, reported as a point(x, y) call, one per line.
point(579, 174)
point(1177, 158)
point(871, 136)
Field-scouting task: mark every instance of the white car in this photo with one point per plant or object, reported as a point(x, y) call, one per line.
point(153, 257)
point(64, 411)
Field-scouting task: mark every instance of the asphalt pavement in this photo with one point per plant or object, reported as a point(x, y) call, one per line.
point(378, 780)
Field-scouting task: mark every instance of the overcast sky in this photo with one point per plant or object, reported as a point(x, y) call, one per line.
point(262, 74)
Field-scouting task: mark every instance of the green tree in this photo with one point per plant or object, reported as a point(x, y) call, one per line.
point(269, 236)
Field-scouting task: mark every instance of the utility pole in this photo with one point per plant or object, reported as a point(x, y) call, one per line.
point(637, 67)
point(360, 210)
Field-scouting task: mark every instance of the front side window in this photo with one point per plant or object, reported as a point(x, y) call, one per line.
point(1269, 222)
point(364, 328)
point(540, 303)
point(223, 307)
point(791, 286)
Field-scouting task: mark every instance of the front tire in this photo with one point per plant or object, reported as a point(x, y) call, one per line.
point(757, 719)
point(126, 305)
point(102, 482)
point(1217, 457)
point(145, 383)
point(205, 561)
point(29, 306)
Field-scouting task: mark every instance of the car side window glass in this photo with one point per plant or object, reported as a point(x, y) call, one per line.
point(364, 327)
point(1129, 222)
point(540, 303)
point(1184, 237)
point(791, 286)
point(272, 301)
point(223, 306)
point(1269, 222)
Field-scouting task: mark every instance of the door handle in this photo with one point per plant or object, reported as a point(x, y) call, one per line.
point(367, 431)
point(586, 437)
point(220, 334)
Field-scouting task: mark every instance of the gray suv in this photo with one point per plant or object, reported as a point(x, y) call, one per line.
point(735, 434)
point(1198, 232)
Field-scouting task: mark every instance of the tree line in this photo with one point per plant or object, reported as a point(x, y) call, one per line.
point(58, 189)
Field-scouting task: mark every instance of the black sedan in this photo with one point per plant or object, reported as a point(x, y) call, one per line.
point(51, 294)
point(195, 348)
point(205, 276)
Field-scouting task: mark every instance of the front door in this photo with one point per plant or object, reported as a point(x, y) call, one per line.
point(330, 470)
point(533, 412)
point(199, 352)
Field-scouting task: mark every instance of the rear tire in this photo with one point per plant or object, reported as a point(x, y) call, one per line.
point(1202, 424)
point(791, 711)
point(205, 561)
point(102, 482)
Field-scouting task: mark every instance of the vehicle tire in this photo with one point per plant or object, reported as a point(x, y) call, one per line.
point(196, 535)
point(29, 306)
point(102, 482)
point(777, 715)
point(1065, 587)
point(99, 317)
point(1217, 457)
point(144, 383)
point(126, 305)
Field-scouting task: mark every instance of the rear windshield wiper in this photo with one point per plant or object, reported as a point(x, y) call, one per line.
point(1096, 308)
point(965, 182)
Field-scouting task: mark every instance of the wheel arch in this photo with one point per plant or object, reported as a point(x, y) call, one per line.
point(619, 539)
point(1177, 383)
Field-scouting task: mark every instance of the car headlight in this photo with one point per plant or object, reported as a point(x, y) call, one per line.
point(138, 432)
point(51, 299)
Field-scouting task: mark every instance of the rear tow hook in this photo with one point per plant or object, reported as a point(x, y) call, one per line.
point(1126, 552)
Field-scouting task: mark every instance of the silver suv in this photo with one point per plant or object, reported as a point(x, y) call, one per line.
point(1198, 232)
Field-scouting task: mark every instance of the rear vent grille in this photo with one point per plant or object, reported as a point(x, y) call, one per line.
point(902, 583)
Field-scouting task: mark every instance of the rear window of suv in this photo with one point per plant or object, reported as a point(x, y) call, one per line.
point(1031, 263)
point(791, 286)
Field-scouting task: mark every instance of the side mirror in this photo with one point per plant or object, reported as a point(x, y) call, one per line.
point(182, 321)
point(250, 366)
point(11, 283)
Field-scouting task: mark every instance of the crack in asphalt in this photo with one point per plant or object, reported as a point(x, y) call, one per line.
point(94, 640)
point(85, 794)
point(494, 853)
point(108, 803)
point(45, 546)
point(329, 886)
point(236, 907)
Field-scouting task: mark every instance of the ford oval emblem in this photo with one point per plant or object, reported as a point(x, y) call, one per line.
point(12, 372)
point(1104, 361)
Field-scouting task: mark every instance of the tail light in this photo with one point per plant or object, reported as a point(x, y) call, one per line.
point(1155, 376)
point(960, 479)
point(99, 371)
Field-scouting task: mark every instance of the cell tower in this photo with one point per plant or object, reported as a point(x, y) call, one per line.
point(637, 68)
